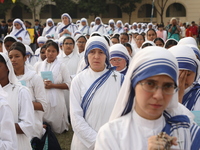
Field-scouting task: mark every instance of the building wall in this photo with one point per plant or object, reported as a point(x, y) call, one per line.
point(191, 6)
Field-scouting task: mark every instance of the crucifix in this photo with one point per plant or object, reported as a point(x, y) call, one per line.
point(115, 76)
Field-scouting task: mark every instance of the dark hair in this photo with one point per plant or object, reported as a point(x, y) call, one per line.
point(115, 37)
point(1, 41)
point(44, 46)
point(160, 26)
point(159, 39)
point(54, 44)
point(151, 30)
point(69, 38)
point(2, 59)
point(107, 39)
point(18, 46)
point(170, 42)
point(36, 20)
point(142, 36)
point(82, 36)
point(128, 45)
point(10, 20)
point(3, 21)
point(9, 39)
point(146, 45)
point(124, 33)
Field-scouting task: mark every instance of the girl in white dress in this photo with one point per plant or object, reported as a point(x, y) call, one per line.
point(19, 99)
point(56, 81)
point(33, 81)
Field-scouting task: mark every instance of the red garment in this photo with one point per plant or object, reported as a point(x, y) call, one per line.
point(194, 30)
point(188, 32)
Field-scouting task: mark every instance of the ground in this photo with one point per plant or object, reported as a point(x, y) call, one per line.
point(65, 139)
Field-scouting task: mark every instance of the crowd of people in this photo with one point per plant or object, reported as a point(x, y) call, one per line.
point(119, 86)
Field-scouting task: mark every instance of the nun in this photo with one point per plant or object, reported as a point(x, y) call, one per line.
point(147, 114)
point(93, 94)
point(19, 31)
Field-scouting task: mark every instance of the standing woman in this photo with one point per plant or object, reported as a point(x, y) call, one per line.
point(19, 31)
point(92, 95)
point(65, 28)
point(81, 42)
point(147, 115)
point(173, 30)
point(30, 79)
point(83, 27)
point(50, 29)
point(151, 35)
point(19, 99)
point(189, 71)
point(58, 80)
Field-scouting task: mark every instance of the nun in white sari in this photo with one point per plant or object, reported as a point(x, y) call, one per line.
point(83, 27)
point(19, 99)
point(99, 26)
point(19, 31)
point(50, 29)
point(66, 28)
point(92, 95)
point(8, 137)
point(147, 106)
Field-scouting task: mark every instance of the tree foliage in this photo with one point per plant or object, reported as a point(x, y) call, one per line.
point(127, 6)
point(92, 7)
point(66, 6)
point(5, 6)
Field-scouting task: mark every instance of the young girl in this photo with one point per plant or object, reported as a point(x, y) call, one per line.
point(57, 79)
point(19, 99)
point(30, 79)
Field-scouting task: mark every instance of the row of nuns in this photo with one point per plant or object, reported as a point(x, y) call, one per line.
point(123, 91)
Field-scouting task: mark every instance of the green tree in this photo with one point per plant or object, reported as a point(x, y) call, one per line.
point(7, 4)
point(67, 6)
point(92, 7)
point(161, 4)
point(127, 6)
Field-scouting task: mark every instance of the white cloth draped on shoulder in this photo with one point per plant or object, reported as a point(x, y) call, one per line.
point(19, 99)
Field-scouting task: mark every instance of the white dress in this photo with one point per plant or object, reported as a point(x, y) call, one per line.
point(101, 29)
point(71, 63)
point(131, 132)
point(19, 99)
point(36, 86)
point(56, 114)
point(98, 113)
point(8, 137)
point(24, 35)
point(84, 29)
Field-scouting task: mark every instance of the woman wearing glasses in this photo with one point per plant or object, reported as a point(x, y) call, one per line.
point(147, 114)
point(119, 58)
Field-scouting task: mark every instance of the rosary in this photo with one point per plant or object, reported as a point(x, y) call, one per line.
point(167, 140)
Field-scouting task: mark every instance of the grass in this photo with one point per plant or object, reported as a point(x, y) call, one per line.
point(65, 139)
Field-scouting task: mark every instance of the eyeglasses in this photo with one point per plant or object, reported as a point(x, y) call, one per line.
point(80, 42)
point(151, 86)
point(116, 60)
point(70, 44)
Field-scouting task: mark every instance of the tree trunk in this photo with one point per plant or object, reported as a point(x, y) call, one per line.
point(129, 20)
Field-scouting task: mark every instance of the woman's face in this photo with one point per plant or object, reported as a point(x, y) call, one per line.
point(51, 53)
point(17, 59)
point(159, 43)
point(17, 26)
point(68, 46)
point(151, 35)
point(139, 40)
point(123, 39)
point(120, 63)
point(97, 59)
point(43, 54)
point(8, 44)
point(81, 44)
point(150, 105)
point(65, 20)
